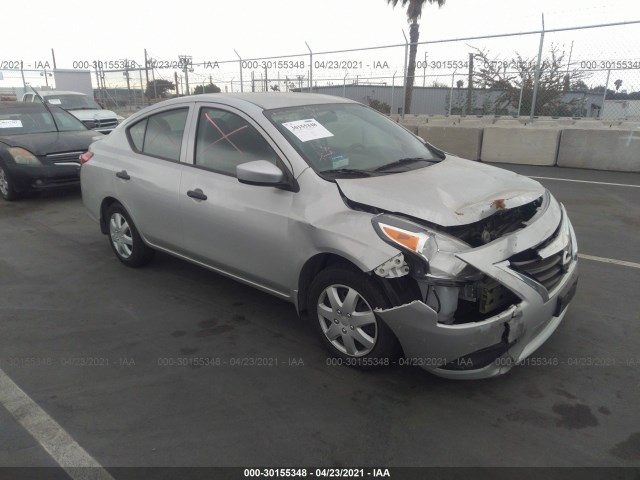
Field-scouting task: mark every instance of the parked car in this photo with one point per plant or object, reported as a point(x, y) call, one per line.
point(39, 148)
point(81, 106)
point(397, 251)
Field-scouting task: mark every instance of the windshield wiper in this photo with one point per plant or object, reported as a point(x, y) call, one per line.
point(401, 163)
point(346, 171)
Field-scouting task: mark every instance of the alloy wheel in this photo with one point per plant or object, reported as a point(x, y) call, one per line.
point(347, 320)
point(120, 233)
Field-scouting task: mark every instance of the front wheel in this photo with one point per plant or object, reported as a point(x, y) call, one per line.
point(342, 304)
point(6, 185)
point(125, 239)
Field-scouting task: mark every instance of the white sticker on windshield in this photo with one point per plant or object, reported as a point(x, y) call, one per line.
point(10, 124)
point(54, 101)
point(308, 129)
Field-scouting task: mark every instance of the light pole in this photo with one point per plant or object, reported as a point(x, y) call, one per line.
point(46, 76)
point(424, 69)
point(186, 61)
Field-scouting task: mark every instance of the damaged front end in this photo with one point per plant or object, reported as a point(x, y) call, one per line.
point(491, 292)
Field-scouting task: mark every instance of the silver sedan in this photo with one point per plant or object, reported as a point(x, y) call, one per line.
point(397, 252)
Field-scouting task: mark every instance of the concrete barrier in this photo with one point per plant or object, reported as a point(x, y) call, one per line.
point(521, 145)
point(611, 149)
point(507, 122)
point(412, 127)
point(590, 124)
point(465, 142)
point(443, 122)
point(544, 124)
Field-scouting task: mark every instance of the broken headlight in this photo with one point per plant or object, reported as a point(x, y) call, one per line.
point(431, 254)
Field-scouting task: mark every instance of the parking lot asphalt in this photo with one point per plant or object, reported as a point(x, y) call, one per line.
point(152, 367)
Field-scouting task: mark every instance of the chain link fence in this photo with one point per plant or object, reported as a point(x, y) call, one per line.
point(591, 71)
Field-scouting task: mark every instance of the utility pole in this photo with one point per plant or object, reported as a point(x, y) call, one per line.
point(24, 83)
point(126, 74)
point(424, 69)
point(146, 66)
point(266, 80)
point(155, 87)
point(100, 92)
point(470, 85)
point(175, 76)
point(186, 61)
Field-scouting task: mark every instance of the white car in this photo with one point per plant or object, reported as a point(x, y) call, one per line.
point(80, 106)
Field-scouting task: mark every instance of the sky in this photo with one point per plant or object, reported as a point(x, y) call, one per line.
point(210, 31)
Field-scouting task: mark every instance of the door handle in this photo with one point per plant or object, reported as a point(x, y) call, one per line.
point(197, 194)
point(123, 175)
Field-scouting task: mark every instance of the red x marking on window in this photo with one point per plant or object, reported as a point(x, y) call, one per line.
point(225, 136)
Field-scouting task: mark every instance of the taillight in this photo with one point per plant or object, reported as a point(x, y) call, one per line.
point(85, 157)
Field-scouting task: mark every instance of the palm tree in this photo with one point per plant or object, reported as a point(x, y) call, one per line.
point(414, 11)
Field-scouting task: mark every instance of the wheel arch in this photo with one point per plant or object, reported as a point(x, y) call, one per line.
point(311, 268)
point(398, 290)
point(104, 206)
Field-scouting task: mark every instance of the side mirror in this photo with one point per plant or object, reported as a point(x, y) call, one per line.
point(261, 173)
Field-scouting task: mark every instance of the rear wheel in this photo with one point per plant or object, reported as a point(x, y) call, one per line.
point(6, 185)
point(125, 239)
point(342, 304)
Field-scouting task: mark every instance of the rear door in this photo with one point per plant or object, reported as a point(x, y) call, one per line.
point(148, 179)
point(238, 228)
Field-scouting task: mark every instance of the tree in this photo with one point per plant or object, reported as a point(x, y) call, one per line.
point(210, 88)
point(618, 84)
point(512, 78)
point(382, 107)
point(158, 88)
point(414, 12)
point(580, 86)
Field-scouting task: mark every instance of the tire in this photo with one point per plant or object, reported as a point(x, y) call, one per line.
point(124, 238)
point(6, 185)
point(341, 304)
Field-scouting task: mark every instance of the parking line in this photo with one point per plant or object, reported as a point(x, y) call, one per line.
point(586, 181)
point(624, 263)
point(74, 459)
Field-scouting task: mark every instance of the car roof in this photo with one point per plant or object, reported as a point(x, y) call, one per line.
point(24, 106)
point(48, 93)
point(264, 100)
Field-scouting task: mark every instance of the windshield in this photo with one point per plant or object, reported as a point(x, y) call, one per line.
point(350, 140)
point(72, 102)
point(14, 121)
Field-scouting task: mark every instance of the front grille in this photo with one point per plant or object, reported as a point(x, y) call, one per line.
point(65, 158)
point(547, 271)
point(101, 123)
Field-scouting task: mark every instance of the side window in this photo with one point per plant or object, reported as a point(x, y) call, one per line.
point(28, 97)
point(225, 140)
point(136, 134)
point(161, 134)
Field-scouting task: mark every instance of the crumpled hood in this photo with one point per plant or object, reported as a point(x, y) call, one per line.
point(452, 192)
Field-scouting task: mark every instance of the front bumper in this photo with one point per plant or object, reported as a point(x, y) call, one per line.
point(493, 346)
point(26, 178)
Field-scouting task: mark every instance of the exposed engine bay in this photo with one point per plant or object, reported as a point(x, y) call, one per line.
point(475, 297)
